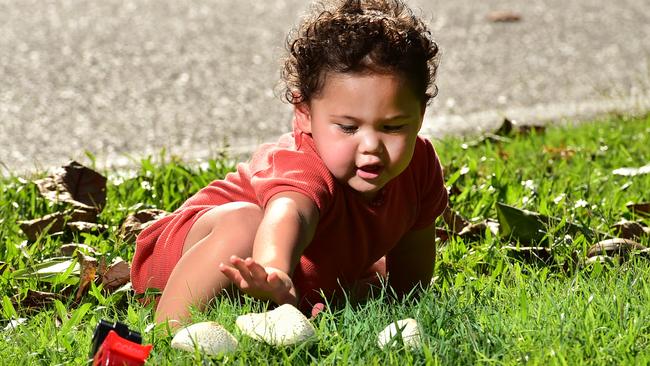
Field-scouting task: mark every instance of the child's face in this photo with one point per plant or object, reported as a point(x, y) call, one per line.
point(364, 128)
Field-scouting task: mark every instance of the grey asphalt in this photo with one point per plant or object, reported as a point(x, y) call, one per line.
point(124, 79)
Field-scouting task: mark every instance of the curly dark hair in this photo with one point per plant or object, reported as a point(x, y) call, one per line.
point(359, 36)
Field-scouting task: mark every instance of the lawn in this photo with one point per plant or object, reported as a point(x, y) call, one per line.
point(491, 302)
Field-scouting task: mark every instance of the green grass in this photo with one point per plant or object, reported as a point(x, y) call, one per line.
point(483, 308)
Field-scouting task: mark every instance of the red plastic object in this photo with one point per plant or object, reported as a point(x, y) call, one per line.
point(117, 351)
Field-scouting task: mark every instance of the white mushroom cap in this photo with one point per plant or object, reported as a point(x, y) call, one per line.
point(408, 329)
point(209, 337)
point(282, 326)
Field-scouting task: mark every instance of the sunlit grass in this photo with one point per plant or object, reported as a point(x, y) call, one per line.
point(483, 307)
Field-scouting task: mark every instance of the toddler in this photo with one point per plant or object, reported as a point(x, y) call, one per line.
point(351, 193)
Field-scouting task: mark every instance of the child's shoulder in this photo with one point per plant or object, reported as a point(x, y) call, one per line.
point(288, 152)
point(424, 149)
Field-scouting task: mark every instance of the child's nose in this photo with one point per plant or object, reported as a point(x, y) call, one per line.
point(370, 143)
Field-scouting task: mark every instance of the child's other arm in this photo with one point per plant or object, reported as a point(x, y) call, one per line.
point(411, 262)
point(288, 226)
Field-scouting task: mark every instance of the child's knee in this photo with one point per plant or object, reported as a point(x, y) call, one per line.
point(237, 217)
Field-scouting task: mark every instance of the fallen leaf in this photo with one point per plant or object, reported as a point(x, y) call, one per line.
point(443, 234)
point(70, 249)
point(531, 227)
point(55, 267)
point(527, 129)
point(86, 275)
point(602, 259)
point(54, 222)
point(503, 16)
point(511, 127)
point(488, 137)
point(13, 324)
point(561, 152)
point(630, 229)
point(86, 227)
point(136, 222)
point(630, 172)
point(476, 230)
point(614, 247)
point(455, 221)
point(639, 208)
point(645, 253)
point(49, 270)
point(74, 183)
point(117, 275)
point(37, 299)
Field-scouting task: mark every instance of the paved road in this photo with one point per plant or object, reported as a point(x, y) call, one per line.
point(125, 78)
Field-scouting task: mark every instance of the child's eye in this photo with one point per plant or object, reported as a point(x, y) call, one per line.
point(394, 128)
point(347, 128)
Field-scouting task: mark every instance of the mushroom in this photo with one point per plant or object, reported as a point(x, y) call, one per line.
point(209, 337)
point(283, 326)
point(409, 331)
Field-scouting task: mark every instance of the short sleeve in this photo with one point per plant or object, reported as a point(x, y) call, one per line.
point(430, 180)
point(282, 169)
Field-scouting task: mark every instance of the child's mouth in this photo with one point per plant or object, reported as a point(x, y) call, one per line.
point(369, 171)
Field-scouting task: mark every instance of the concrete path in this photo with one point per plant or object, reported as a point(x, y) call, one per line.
point(125, 78)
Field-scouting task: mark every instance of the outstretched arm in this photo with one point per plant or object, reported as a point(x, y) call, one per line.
point(412, 261)
point(288, 226)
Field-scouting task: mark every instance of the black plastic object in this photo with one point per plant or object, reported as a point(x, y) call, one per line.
point(102, 329)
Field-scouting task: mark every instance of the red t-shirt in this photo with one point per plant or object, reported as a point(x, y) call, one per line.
point(351, 234)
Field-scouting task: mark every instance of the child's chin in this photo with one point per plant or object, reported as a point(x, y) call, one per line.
point(366, 190)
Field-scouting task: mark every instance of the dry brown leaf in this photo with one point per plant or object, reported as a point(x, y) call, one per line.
point(630, 229)
point(645, 253)
point(87, 273)
point(455, 221)
point(614, 247)
point(503, 16)
point(75, 184)
point(527, 129)
point(503, 154)
point(602, 259)
point(511, 127)
point(561, 152)
point(69, 249)
point(86, 227)
point(640, 208)
point(136, 222)
point(37, 299)
point(476, 230)
point(117, 275)
point(443, 234)
point(56, 222)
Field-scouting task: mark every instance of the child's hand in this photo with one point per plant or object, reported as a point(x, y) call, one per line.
point(260, 282)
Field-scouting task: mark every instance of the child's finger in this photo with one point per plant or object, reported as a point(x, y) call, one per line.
point(240, 265)
point(257, 271)
point(274, 280)
point(233, 274)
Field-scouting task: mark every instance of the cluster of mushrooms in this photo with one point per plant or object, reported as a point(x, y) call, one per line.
point(283, 326)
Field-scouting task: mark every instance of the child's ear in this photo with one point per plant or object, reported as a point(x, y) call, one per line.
point(302, 117)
